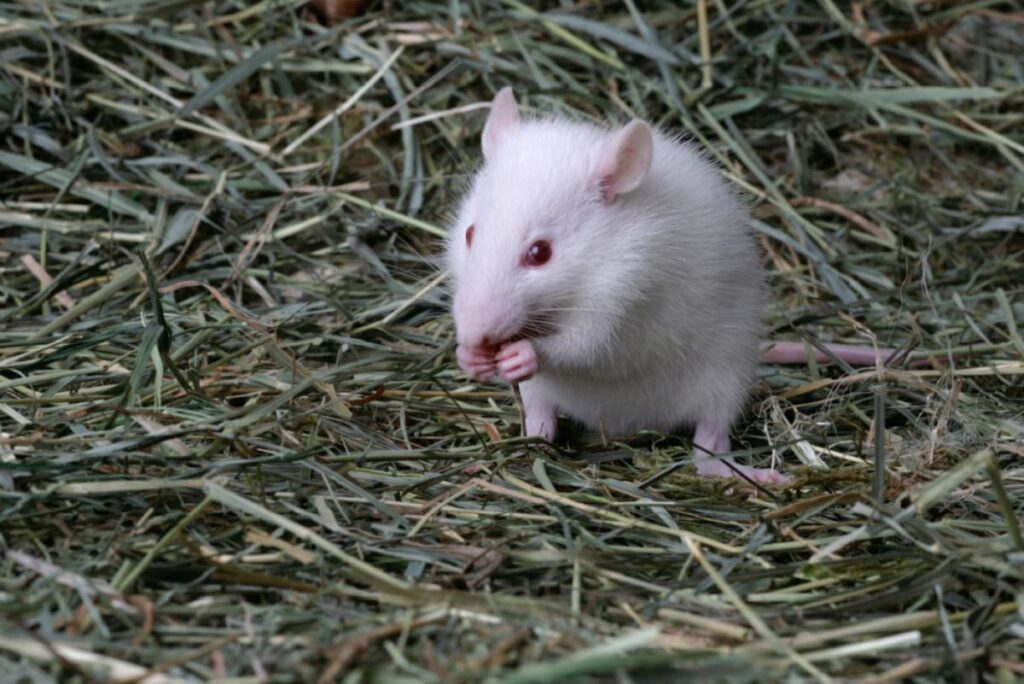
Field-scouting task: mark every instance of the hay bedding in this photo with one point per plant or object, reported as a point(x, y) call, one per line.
point(234, 444)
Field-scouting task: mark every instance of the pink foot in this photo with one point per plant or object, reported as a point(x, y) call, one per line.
point(716, 440)
point(541, 422)
point(477, 361)
point(718, 468)
point(539, 417)
point(517, 361)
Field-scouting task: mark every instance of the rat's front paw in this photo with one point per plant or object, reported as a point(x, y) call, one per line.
point(517, 361)
point(477, 361)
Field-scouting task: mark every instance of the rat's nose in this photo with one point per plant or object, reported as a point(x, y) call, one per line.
point(477, 339)
point(482, 326)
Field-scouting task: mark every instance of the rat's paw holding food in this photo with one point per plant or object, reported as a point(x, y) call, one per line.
point(517, 361)
point(476, 361)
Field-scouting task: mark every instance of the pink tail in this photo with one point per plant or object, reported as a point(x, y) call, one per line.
point(855, 355)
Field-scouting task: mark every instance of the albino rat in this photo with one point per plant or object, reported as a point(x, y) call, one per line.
point(612, 274)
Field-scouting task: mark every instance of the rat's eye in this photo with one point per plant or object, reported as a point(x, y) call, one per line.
point(538, 254)
point(469, 236)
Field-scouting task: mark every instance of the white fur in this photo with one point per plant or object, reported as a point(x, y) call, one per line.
point(658, 294)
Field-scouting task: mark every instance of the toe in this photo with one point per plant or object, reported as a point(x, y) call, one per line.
point(776, 477)
point(765, 475)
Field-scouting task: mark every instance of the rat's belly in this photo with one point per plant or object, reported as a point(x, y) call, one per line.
point(620, 408)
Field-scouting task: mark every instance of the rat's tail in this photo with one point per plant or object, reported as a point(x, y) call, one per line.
point(855, 355)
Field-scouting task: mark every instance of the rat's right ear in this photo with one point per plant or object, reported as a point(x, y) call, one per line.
point(504, 117)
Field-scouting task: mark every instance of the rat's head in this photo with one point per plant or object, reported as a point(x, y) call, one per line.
point(537, 222)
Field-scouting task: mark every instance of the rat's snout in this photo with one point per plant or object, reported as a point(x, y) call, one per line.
point(482, 322)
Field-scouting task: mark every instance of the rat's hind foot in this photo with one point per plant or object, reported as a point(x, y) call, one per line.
point(542, 423)
point(476, 361)
point(517, 362)
point(717, 468)
point(539, 417)
point(716, 441)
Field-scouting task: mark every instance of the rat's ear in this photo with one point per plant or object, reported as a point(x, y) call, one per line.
point(504, 117)
point(624, 160)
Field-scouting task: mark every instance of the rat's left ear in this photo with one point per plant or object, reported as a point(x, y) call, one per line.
point(624, 160)
point(504, 117)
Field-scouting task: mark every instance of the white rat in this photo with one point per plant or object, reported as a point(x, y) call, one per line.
point(613, 275)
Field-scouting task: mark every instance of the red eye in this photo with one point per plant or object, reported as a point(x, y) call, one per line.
point(469, 236)
point(538, 254)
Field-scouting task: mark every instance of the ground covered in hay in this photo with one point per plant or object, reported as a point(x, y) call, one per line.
point(233, 442)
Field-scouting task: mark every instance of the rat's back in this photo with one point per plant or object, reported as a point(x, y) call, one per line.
point(679, 319)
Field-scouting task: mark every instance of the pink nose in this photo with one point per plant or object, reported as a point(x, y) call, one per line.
point(480, 326)
point(477, 339)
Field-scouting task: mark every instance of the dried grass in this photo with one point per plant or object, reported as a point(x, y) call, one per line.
point(234, 445)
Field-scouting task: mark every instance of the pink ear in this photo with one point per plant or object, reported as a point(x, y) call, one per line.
point(504, 117)
point(624, 160)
